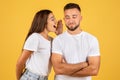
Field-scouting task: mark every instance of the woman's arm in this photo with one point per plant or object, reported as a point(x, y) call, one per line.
point(21, 62)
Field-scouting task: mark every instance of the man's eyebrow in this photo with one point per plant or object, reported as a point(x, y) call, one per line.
point(66, 16)
point(74, 15)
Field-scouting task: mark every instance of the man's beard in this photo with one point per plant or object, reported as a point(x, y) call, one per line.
point(72, 29)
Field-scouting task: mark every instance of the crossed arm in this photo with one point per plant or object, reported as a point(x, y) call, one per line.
point(92, 68)
point(89, 68)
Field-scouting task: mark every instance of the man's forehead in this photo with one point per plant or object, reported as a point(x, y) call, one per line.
point(72, 11)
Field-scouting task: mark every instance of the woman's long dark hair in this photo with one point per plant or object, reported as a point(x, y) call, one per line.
point(39, 22)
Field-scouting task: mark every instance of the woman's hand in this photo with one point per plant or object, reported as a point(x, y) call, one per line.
point(59, 28)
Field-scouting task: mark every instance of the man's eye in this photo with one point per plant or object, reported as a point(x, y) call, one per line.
point(67, 17)
point(74, 17)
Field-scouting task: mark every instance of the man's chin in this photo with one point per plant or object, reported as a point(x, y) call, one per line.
point(72, 28)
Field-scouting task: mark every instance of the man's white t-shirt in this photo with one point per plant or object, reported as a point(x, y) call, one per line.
point(39, 62)
point(75, 49)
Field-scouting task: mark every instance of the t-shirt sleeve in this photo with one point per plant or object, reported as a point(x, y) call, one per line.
point(31, 43)
point(56, 46)
point(94, 48)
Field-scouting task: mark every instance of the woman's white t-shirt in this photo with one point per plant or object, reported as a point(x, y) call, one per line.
point(39, 62)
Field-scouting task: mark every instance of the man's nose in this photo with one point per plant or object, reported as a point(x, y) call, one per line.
point(71, 20)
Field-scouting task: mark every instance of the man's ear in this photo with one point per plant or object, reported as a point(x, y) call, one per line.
point(80, 18)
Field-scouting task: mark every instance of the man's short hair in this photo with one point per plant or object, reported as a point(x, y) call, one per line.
point(71, 6)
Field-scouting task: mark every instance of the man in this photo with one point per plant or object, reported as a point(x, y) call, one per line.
point(75, 53)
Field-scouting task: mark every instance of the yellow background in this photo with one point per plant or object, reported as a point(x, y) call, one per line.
point(100, 18)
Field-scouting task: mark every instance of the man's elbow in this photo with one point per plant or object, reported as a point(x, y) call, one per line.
point(58, 71)
point(94, 71)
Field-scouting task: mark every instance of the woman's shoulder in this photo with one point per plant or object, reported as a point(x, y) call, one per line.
point(33, 36)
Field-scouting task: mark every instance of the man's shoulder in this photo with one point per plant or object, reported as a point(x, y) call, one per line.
point(89, 35)
point(61, 35)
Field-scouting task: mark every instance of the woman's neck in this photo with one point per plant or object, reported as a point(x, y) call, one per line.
point(45, 34)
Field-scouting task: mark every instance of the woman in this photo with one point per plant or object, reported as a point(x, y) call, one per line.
point(34, 63)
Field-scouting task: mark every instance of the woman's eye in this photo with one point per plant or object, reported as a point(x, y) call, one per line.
point(52, 19)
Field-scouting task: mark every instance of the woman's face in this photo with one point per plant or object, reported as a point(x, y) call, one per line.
point(51, 23)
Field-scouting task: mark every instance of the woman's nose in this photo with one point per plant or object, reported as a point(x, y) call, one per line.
point(55, 22)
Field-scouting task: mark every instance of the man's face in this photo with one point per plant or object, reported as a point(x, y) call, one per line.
point(72, 18)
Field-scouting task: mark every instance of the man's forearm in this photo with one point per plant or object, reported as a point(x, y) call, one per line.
point(91, 70)
point(68, 69)
point(60, 66)
point(88, 71)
